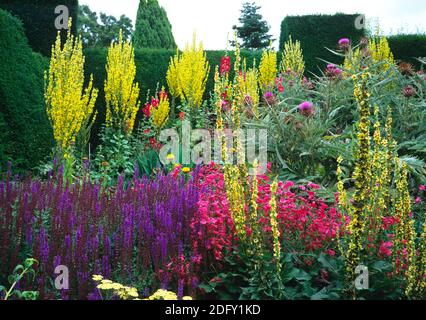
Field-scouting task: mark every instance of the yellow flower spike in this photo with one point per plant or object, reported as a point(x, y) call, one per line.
point(160, 115)
point(188, 73)
point(292, 58)
point(121, 90)
point(69, 105)
point(268, 69)
point(381, 52)
point(274, 225)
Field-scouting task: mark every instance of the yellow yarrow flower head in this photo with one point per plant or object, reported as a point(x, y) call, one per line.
point(163, 295)
point(186, 170)
point(97, 277)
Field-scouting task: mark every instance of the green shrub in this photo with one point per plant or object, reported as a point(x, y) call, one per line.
point(26, 136)
point(408, 47)
point(38, 17)
point(152, 65)
point(317, 32)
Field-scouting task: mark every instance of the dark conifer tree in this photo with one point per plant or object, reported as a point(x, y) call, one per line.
point(153, 28)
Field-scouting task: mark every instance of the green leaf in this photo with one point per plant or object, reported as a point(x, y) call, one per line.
point(18, 268)
point(28, 263)
point(327, 263)
point(320, 295)
point(29, 295)
point(17, 293)
point(382, 266)
point(297, 274)
point(206, 287)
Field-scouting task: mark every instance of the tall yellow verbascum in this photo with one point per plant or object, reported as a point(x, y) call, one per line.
point(274, 225)
point(375, 197)
point(172, 76)
point(188, 73)
point(247, 82)
point(362, 178)
point(121, 90)
point(268, 69)
point(381, 52)
point(292, 58)
point(69, 105)
point(160, 114)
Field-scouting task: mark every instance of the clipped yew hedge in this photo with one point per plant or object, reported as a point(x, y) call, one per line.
point(25, 132)
point(38, 17)
point(408, 47)
point(318, 32)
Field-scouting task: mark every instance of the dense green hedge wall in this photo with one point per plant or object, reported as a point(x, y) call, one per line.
point(316, 32)
point(38, 17)
point(25, 131)
point(408, 47)
point(152, 65)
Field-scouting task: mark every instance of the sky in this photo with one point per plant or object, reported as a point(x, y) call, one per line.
point(212, 20)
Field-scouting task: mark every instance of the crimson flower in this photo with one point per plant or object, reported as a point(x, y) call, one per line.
point(147, 110)
point(225, 65)
point(154, 102)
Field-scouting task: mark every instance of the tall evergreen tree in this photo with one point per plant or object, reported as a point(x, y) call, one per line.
point(153, 28)
point(253, 31)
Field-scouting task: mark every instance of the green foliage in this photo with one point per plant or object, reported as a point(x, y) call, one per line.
point(26, 135)
point(101, 34)
point(153, 29)
point(253, 31)
point(317, 32)
point(113, 157)
point(38, 17)
point(303, 276)
point(20, 271)
point(408, 47)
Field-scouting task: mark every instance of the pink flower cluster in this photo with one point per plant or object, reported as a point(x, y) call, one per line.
point(306, 222)
point(213, 230)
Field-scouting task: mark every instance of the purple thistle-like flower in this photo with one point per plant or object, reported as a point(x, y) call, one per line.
point(306, 108)
point(332, 71)
point(344, 43)
point(408, 91)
